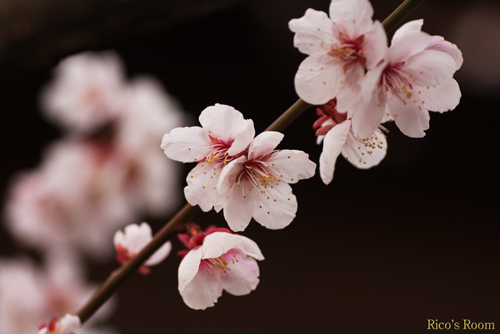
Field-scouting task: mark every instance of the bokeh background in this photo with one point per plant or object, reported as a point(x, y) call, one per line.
point(376, 251)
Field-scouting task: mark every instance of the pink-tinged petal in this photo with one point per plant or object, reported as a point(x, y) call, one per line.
point(226, 123)
point(136, 237)
point(229, 174)
point(354, 15)
point(275, 208)
point(189, 267)
point(348, 95)
point(438, 43)
point(317, 79)
point(202, 186)
point(159, 255)
point(186, 144)
point(442, 97)
point(264, 144)
point(375, 46)
point(313, 32)
point(369, 113)
point(119, 239)
point(411, 44)
point(239, 207)
point(294, 165)
point(365, 154)
point(332, 147)
point(249, 247)
point(69, 324)
point(242, 139)
point(243, 276)
point(219, 243)
point(407, 28)
point(429, 68)
point(203, 290)
point(410, 117)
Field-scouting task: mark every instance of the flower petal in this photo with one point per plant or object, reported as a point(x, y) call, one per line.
point(249, 247)
point(202, 186)
point(189, 267)
point(429, 68)
point(313, 32)
point(275, 208)
point(203, 290)
point(219, 243)
point(411, 44)
point(264, 144)
point(410, 118)
point(365, 154)
point(243, 276)
point(318, 78)
point(438, 43)
point(136, 237)
point(354, 15)
point(375, 46)
point(229, 174)
point(294, 165)
point(159, 255)
point(239, 207)
point(186, 144)
point(407, 28)
point(442, 97)
point(332, 146)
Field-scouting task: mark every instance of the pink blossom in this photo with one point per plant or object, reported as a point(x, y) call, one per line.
point(256, 184)
point(340, 48)
point(85, 92)
point(223, 136)
point(69, 324)
point(129, 243)
point(334, 129)
point(218, 260)
point(415, 77)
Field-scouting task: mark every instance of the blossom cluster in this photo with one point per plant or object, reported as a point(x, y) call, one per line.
point(351, 72)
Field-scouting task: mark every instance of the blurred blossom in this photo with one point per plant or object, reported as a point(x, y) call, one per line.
point(29, 295)
point(86, 91)
point(69, 324)
point(73, 201)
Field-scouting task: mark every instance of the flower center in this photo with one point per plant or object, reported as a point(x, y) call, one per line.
point(218, 152)
point(396, 82)
point(221, 263)
point(258, 174)
point(348, 50)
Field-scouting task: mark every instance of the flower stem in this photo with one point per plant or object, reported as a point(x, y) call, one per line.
point(289, 116)
point(117, 277)
point(400, 13)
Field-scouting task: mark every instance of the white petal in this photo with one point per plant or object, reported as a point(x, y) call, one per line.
point(249, 247)
point(264, 144)
point(354, 15)
point(239, 207)
point(159, 255)
point(411, 44)
point(364, 155)
point(409, 27)
point(243, 276)
point(332, 147)
point(438, 43)
point(229, 174)
point(136, 237)
point(69, 324)
point(189, 267)
point(294, 165)
point(313, 32)
point(203, 290)
point(443, 97)
point(317, 78)
point(375, 46)
point(186, 144)
point(202, 186)
point(275, 208)
point(226, 123)
point(429, 68)
point(119, 239)
point(369, 113)
point(219, 243)
point(410, 117)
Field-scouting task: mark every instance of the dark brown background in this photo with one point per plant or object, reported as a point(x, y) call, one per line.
point(377, 251)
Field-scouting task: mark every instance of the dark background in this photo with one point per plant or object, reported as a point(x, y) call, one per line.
point(376, 251)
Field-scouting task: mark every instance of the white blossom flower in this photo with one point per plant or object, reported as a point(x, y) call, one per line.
point(86, 91)
point(415, 77)
point(257, 183)
point(129, 243)
point(340, 48)
point(218, 261)
point(335, 131)
point(69, 324)
point(223, 136)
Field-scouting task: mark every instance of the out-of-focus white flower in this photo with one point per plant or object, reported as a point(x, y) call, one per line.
point(218, 261)
point(86, 91)
point(69, 324)
point(75, 201)
point(415, 77)
point(340, 48)
point(129, 243)
point(30, 295)
point(257, 183)
point(223, 136)
point(335, 131)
